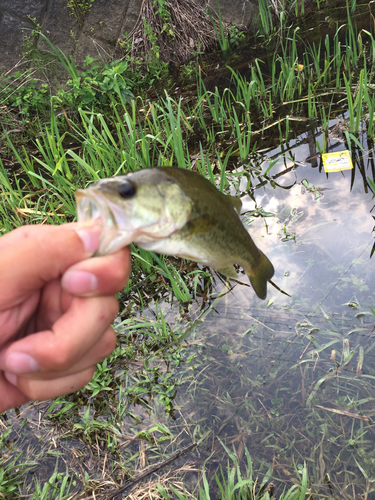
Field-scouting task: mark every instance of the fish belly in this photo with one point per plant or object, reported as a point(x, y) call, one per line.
point(178, 248)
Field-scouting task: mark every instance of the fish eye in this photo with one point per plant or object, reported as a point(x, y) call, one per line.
point(126, 189)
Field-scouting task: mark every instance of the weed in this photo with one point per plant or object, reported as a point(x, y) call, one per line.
point(233, 484)
point(221, 32)
point(80, 9)
point(11, 472)
point(161, 8)
point(196, 363)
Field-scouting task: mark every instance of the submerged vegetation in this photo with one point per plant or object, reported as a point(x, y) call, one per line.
point(179, 385)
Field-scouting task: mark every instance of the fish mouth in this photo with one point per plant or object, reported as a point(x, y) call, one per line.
point(94, 209)
point(88, 209)
point(120, 223)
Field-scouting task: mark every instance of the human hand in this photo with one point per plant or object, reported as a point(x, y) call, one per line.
point(56, 308)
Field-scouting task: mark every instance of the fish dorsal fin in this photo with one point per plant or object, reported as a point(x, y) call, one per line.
point(236, 202)
point(200, 225)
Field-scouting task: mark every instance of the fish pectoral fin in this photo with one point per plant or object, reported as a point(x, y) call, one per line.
point(228, 271)
point(200, 225)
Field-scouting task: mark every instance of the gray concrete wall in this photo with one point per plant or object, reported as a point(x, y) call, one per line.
point(95, 33)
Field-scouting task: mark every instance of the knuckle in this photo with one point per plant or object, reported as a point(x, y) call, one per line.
point(109, 309)
point(109, 343)
point(105, 348)
point(119, 277)
point(63, 358)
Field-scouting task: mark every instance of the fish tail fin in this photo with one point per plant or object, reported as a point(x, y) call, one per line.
point(260, 274)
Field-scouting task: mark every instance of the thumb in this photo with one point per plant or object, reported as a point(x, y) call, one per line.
point(31, 256)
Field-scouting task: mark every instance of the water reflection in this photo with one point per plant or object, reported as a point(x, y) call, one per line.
point(291, 379)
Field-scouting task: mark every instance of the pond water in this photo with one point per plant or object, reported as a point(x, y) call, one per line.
point(292, 378)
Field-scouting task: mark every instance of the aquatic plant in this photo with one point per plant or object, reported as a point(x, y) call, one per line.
point(232, 484)
point(169, 340)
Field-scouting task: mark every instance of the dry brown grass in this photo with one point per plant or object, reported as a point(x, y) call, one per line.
point(146, 490)
point(191, 30)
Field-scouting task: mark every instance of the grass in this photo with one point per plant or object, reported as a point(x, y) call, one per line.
point(180, 373)
point(232, 485)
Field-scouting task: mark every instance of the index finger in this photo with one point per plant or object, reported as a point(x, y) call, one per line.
point(34, 255)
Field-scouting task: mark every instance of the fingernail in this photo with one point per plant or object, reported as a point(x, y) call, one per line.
point(19, 362)
point(90, 237)
point(11, 378)
point(79, 282)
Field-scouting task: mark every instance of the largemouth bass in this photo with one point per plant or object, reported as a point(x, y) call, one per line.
point(175, 212)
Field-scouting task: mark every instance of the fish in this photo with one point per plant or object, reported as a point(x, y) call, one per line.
point(174, 211)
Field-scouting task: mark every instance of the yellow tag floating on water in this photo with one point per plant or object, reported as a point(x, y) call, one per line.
point(335, 162)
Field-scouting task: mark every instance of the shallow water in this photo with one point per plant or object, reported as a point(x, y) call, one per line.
point(291, 378)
